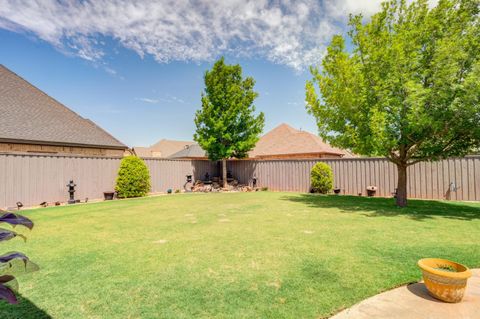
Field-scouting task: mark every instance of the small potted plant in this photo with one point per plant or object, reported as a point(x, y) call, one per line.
point(108, 195)
point(445, 280)
point(371, 190)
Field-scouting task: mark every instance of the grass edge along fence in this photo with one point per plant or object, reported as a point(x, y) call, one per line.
point(35, 178)
point(452, 179)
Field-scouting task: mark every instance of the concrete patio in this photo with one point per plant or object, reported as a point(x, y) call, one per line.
point(413, 301)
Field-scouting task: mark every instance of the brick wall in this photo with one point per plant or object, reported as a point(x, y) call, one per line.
point(61, 150)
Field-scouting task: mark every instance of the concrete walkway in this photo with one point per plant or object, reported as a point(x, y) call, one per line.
point(414, 302)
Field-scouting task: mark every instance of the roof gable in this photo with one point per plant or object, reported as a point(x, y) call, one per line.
point(31, 116)
point(284, 140)
point(163, 148)
point(190, 151)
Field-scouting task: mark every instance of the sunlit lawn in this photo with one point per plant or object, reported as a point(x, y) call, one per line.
point(237, 255)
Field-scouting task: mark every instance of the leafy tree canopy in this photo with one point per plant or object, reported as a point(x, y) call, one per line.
point(226, 124)
point(410, 87)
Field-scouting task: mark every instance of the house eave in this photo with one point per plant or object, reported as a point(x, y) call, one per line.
point(67, 144)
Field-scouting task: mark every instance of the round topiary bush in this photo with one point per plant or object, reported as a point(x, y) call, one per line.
point(321, 178)
point(133, 178)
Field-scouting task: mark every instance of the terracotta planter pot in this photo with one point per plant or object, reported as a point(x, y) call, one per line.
point(447, 286)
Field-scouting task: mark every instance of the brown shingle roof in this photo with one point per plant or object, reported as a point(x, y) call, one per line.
point(163, 148)
point(28, 115)
point(285, 140)
point(282, 140)
point(190, 151)
point(141, 151)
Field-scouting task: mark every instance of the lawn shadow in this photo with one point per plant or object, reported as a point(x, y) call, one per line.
point(374, 207)
point(25, 309)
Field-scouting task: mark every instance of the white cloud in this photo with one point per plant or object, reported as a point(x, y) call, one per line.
point(147, 100)
point(172, 98)
point(289, 32)
point(167, 99)
point(340, 9)
point(110, 70)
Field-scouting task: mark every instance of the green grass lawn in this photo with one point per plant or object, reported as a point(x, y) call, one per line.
point(234, 255)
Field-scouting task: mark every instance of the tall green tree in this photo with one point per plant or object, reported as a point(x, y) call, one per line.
point(409, 89)
point(227, 126)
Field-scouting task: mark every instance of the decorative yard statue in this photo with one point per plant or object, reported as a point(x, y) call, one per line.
point(188, 184)
point(71, 190)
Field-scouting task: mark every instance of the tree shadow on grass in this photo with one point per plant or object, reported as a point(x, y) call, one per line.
point(375, 207)
point(25, 309)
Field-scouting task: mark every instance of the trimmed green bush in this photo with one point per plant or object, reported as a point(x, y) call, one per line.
point(321, 178)
point(133, 178)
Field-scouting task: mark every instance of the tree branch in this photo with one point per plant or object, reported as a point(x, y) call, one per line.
point(393, 158)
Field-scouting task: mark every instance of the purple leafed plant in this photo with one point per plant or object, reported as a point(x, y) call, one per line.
point(13, 263)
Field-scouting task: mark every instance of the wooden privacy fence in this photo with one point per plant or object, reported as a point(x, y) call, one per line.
point(35, 178)
point(165, 174)
point(456, 178)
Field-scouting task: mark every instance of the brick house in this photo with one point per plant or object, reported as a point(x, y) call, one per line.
point(33, 122)
point(286, 142)
point(283, 142)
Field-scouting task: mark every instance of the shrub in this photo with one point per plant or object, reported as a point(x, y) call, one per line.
point(321, 178)
point(13, 263)
point(133, 178)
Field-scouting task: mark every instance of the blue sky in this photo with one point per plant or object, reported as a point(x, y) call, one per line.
point(137, 71)
point(146, 100)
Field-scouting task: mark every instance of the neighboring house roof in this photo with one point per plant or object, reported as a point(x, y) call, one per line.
point(190, 151)
point(142, 151)
point(349, 154)
point(29, 115)
point(285, 140)
point(163, 148)
point(282, 140)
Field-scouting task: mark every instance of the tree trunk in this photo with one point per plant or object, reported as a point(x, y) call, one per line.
point(224, 172)
point(402, 185)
